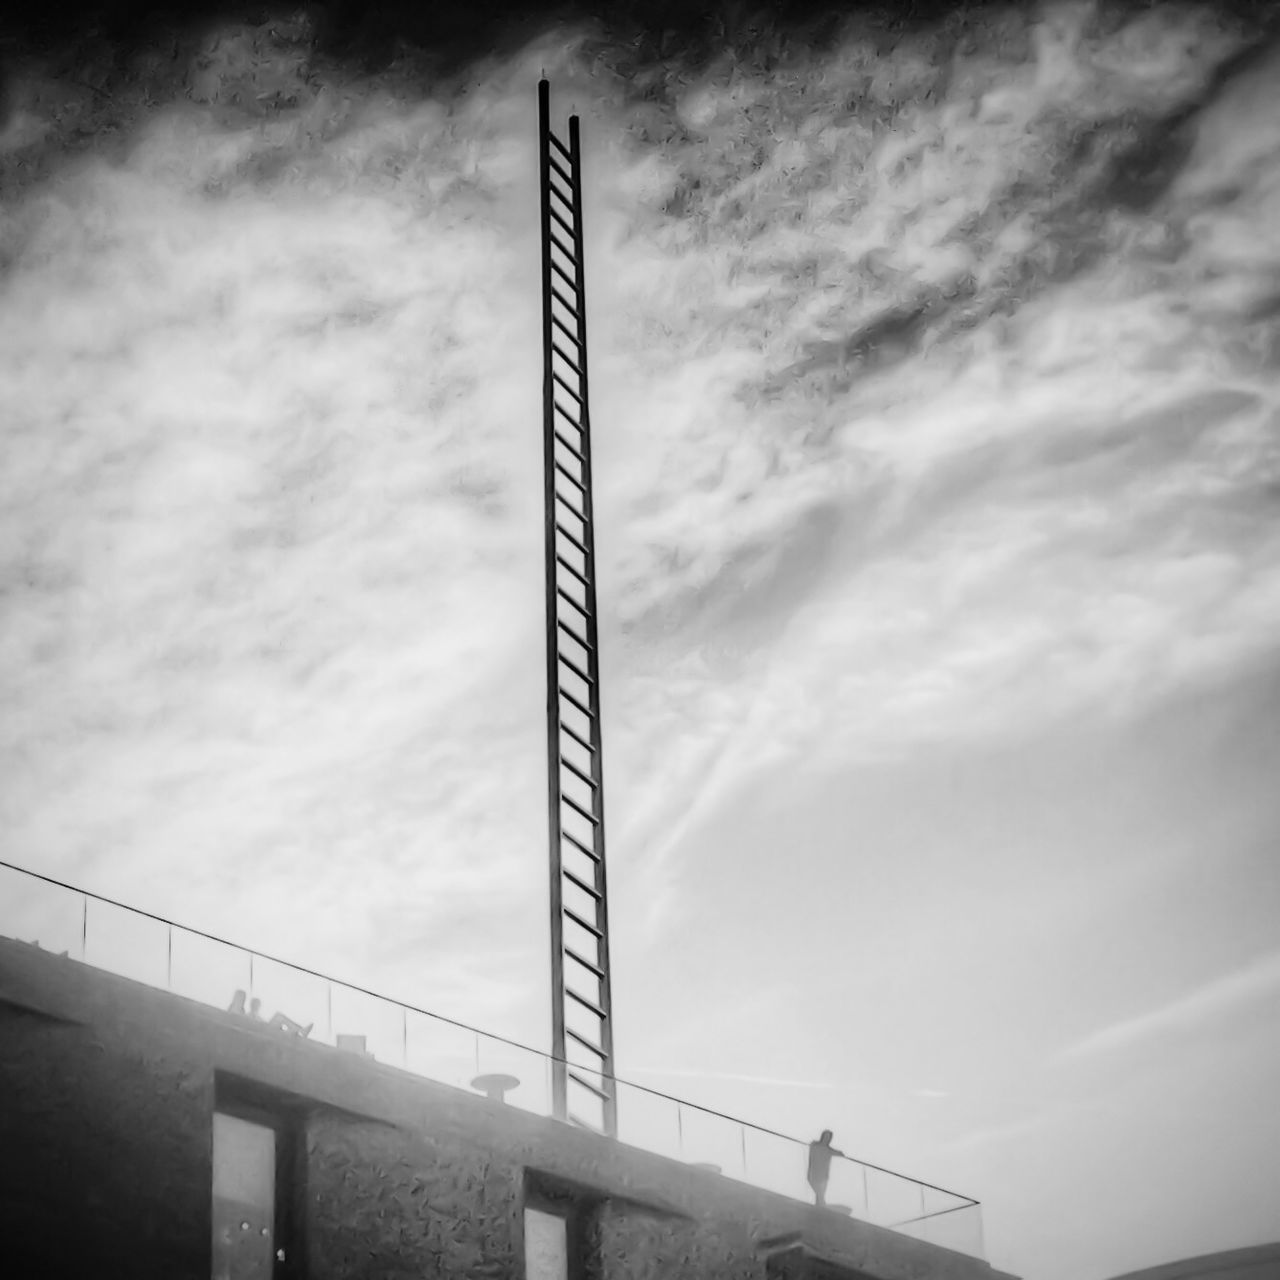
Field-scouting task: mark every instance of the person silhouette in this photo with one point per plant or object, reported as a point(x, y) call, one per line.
point(278, 1021)
point(820, 1154)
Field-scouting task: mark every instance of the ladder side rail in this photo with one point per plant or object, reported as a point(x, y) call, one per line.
point(559, 1068)
point(610, 1104)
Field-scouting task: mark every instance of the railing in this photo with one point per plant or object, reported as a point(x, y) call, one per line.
point(136, 944)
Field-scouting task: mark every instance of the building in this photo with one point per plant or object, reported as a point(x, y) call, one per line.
point(1259, 1262)
point(146, 1134)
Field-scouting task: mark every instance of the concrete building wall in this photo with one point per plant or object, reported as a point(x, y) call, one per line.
point(104, 1147)
point(389, 1202)
point(107, 1092)
point(633, 1245)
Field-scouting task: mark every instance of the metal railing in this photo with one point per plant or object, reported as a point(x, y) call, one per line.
point(130, 943)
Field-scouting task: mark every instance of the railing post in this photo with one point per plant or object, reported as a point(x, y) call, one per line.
point(84, 930)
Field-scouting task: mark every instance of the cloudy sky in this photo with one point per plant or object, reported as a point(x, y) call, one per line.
point(936, 392)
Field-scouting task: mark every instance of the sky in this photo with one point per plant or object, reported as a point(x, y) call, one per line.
point(935, 375)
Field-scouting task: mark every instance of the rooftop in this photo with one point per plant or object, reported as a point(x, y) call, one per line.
point(300, 1004)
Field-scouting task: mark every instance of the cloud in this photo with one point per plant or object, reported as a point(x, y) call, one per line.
point(267, 558)
point(270, 542)
point(1023, 405)
point(1218, 998)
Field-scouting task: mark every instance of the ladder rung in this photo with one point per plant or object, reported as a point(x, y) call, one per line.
point(571, 633)
point(584, 962)
point(564, 302)
point(585, 1003)
point(577, 737)
point(571, 361)
point(576, 542)
point(573, 666)
point(565, 199)
point(579, 516)
point(564, 413)
point(569, 698)
point(555, 164)
point(582, 884)
point(586, 782)
point(568, 333)
point(577, 844)
point(586, 813)
point(568, 253)
point(566, 796)
point(572, 448)
point(552, 210)
point(568, 279)
point(586, 1084)
point(586, 777)
point(566, 386)
point(581, 608)
point(586, 1044)
point(564, 151)
point(569, 476)
point(582, 579)
point(578, 920)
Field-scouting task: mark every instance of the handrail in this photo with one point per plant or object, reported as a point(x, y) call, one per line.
point(969, 1201)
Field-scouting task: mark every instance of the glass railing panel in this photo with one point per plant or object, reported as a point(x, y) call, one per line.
point(35, 912)
point(892, 1199)
point(776, 1163)
point(946, 1219)
point(383, 1024)
point(290, 1000)
point(848, 1187)
point(441, 1051)
point(127, 944)
point(711, 1140)
point(958, 1228)
point(532, 1070)
point(209, 971)
point(968, 1235)
point(648, 1121)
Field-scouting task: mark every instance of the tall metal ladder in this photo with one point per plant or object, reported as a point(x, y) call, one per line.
point(581, 1002)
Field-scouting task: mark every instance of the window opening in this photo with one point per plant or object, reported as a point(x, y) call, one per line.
point(244, 1199)
point(546, 1245)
